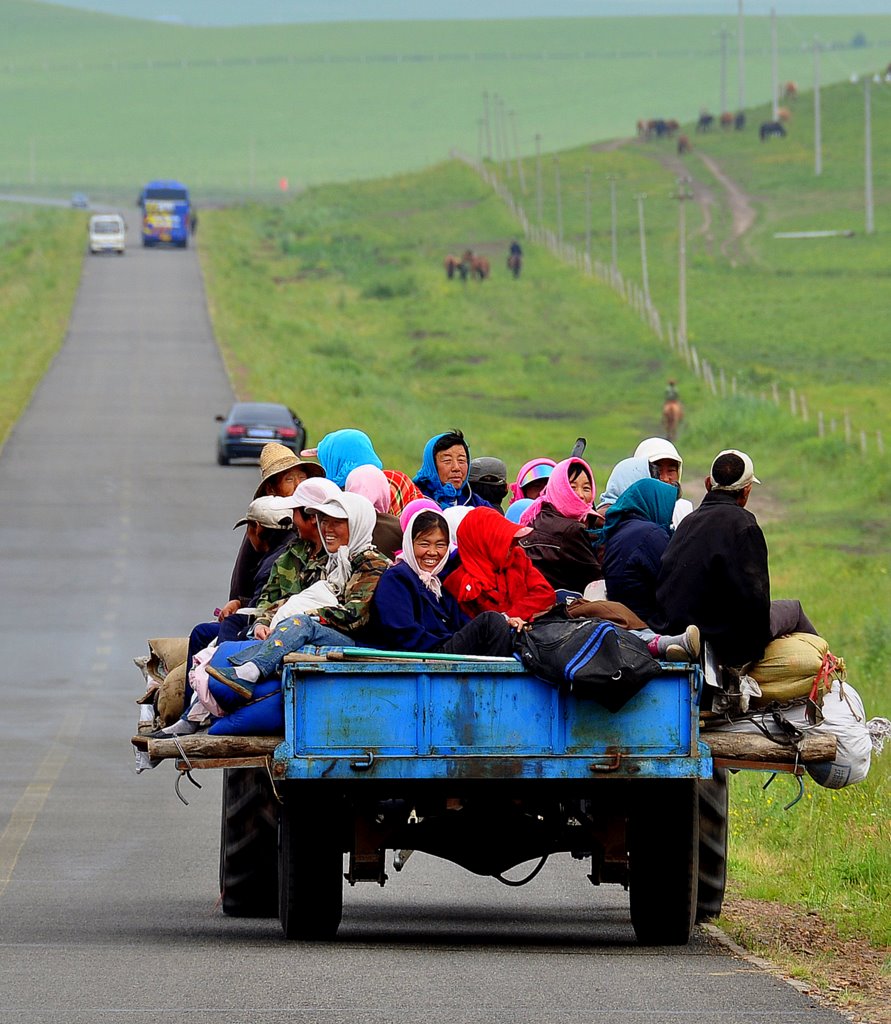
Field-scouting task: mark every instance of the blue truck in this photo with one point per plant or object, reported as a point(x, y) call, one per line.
point(166, 213)
point(479, 762)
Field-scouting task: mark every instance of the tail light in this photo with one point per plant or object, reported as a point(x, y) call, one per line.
point(289, 433)
point(236, 430)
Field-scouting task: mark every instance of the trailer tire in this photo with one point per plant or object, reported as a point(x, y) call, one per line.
point(249, 844)
point(310, 869)
point(663, 862)
point(713, 807)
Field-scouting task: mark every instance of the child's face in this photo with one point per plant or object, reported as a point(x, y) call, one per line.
point(430, 548)
point(582, 487)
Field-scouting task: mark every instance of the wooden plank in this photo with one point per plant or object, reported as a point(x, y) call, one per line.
point(747, 746)
point(220, 762)
point(202, 745)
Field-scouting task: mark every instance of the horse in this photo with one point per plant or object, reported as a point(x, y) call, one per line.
point(739, 121)
point(672, 414)
point(790, 91)
point(705, 122)
point(726, 120)
point(784, 114)
point(476, 266)
point(684, 144)
point(769, 128)
point(515, 263)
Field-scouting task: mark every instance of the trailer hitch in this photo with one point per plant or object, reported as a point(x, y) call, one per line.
point(612, 765)
point(363, 766)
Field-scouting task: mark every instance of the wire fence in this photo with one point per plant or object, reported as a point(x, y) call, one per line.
point(716, 379)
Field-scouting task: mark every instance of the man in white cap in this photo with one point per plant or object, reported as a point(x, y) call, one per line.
point(715, 574)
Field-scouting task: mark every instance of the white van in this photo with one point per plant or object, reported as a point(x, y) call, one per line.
point(107, 231)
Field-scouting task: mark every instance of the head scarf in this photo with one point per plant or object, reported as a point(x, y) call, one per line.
point(418, 505)
point(427, 478)
point(362, 518)
point(560, 496)
point(624, 474)
point(516, 509)
point(370, 482)
point(646, 499)
point(429, 579)
point(454, 516)
point(655, 448)
point(537, 469)
point(314, 491)
point(402, 490)
point(485, 541)
point(343, 450)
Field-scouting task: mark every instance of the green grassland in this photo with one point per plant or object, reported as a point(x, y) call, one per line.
point(806, 314)
point(337, 304)
point(40, 260)
point(103, 103)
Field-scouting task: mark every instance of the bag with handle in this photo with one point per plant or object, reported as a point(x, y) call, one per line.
point(595, 659)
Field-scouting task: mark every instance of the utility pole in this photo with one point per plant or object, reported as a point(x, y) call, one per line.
point(488, 121)
point(520, 173)
point(723, 35)
point(682, 195)
point(479, 140)
point(611, 178)
point(496, 130)
point(559, 202)
point(505, 141)
point(32, 168)
point(867, 153)
point(741, 57)
point(538, 195)
point(252, 166)
point(774, 77)
point(641, 196)
point(588, 213)
point(818, 125)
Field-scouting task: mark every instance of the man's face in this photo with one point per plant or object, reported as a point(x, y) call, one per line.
point(306, 526)
point(668, 471)
point(451, 464)
point(256, 536)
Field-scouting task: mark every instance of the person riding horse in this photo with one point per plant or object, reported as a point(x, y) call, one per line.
point(672, 411)
point(515, 258)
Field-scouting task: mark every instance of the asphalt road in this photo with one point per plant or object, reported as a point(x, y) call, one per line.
point(116, 524)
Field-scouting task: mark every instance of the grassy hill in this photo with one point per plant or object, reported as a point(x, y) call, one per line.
point(337, 303)
point(104, 103)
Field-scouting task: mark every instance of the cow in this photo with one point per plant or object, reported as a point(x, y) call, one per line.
point(727, 120)
point(683, 145)
point(739, 122)
point(784, 114)
point(790, 91)
point(769, 128)
point(705, 122)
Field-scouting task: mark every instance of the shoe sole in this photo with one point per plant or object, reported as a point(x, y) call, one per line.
point(693, 643)
point(238, 686)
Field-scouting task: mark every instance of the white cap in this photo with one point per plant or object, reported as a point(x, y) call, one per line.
point(655, 448)
point(745, 477)
point(273, 513)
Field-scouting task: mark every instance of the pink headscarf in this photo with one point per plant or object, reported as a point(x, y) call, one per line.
point(370, 482)
point(560, 495)
point(416, 505)
point(528, 471)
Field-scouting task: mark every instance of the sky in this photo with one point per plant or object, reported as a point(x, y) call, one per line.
point(242, 12)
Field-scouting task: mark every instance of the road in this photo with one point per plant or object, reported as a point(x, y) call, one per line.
point(116, 524)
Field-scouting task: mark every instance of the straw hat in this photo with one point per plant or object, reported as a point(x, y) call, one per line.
point(275, 458)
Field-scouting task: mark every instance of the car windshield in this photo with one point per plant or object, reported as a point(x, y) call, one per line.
point(259, 412)
point(106, 227)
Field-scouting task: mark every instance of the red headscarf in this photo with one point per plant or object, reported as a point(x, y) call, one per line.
point(495, 574)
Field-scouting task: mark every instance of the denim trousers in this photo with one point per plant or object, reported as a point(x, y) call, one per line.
point(288, 636)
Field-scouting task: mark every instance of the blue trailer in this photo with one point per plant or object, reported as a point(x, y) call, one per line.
point(485, 765)
point(479, 762)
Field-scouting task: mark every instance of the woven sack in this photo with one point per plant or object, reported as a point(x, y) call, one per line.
point(171, 695)
point(788, 667)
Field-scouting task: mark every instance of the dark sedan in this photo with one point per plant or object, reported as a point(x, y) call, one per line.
point(250, 425)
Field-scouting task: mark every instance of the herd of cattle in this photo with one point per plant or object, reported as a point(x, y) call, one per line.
point(659, 127)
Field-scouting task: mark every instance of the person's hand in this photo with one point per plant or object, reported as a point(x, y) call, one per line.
point(229, 608)
point(261, 632)
point(515, 622)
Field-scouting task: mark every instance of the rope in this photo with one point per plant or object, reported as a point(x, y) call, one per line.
point(528, 878)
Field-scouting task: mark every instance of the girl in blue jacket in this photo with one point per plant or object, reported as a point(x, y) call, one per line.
point(412, 611)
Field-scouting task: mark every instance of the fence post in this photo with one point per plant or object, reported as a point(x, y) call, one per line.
point(863, 441)
point(880, 444)
point(792, 407)
point(776, 393)
point(802, 405)
point(847, 427)
point(821, 428)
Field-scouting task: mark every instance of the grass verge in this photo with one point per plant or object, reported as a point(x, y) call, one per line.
point(41, 252)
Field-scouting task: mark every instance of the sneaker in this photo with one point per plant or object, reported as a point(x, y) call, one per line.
point(228, 677)
point(688, 649)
